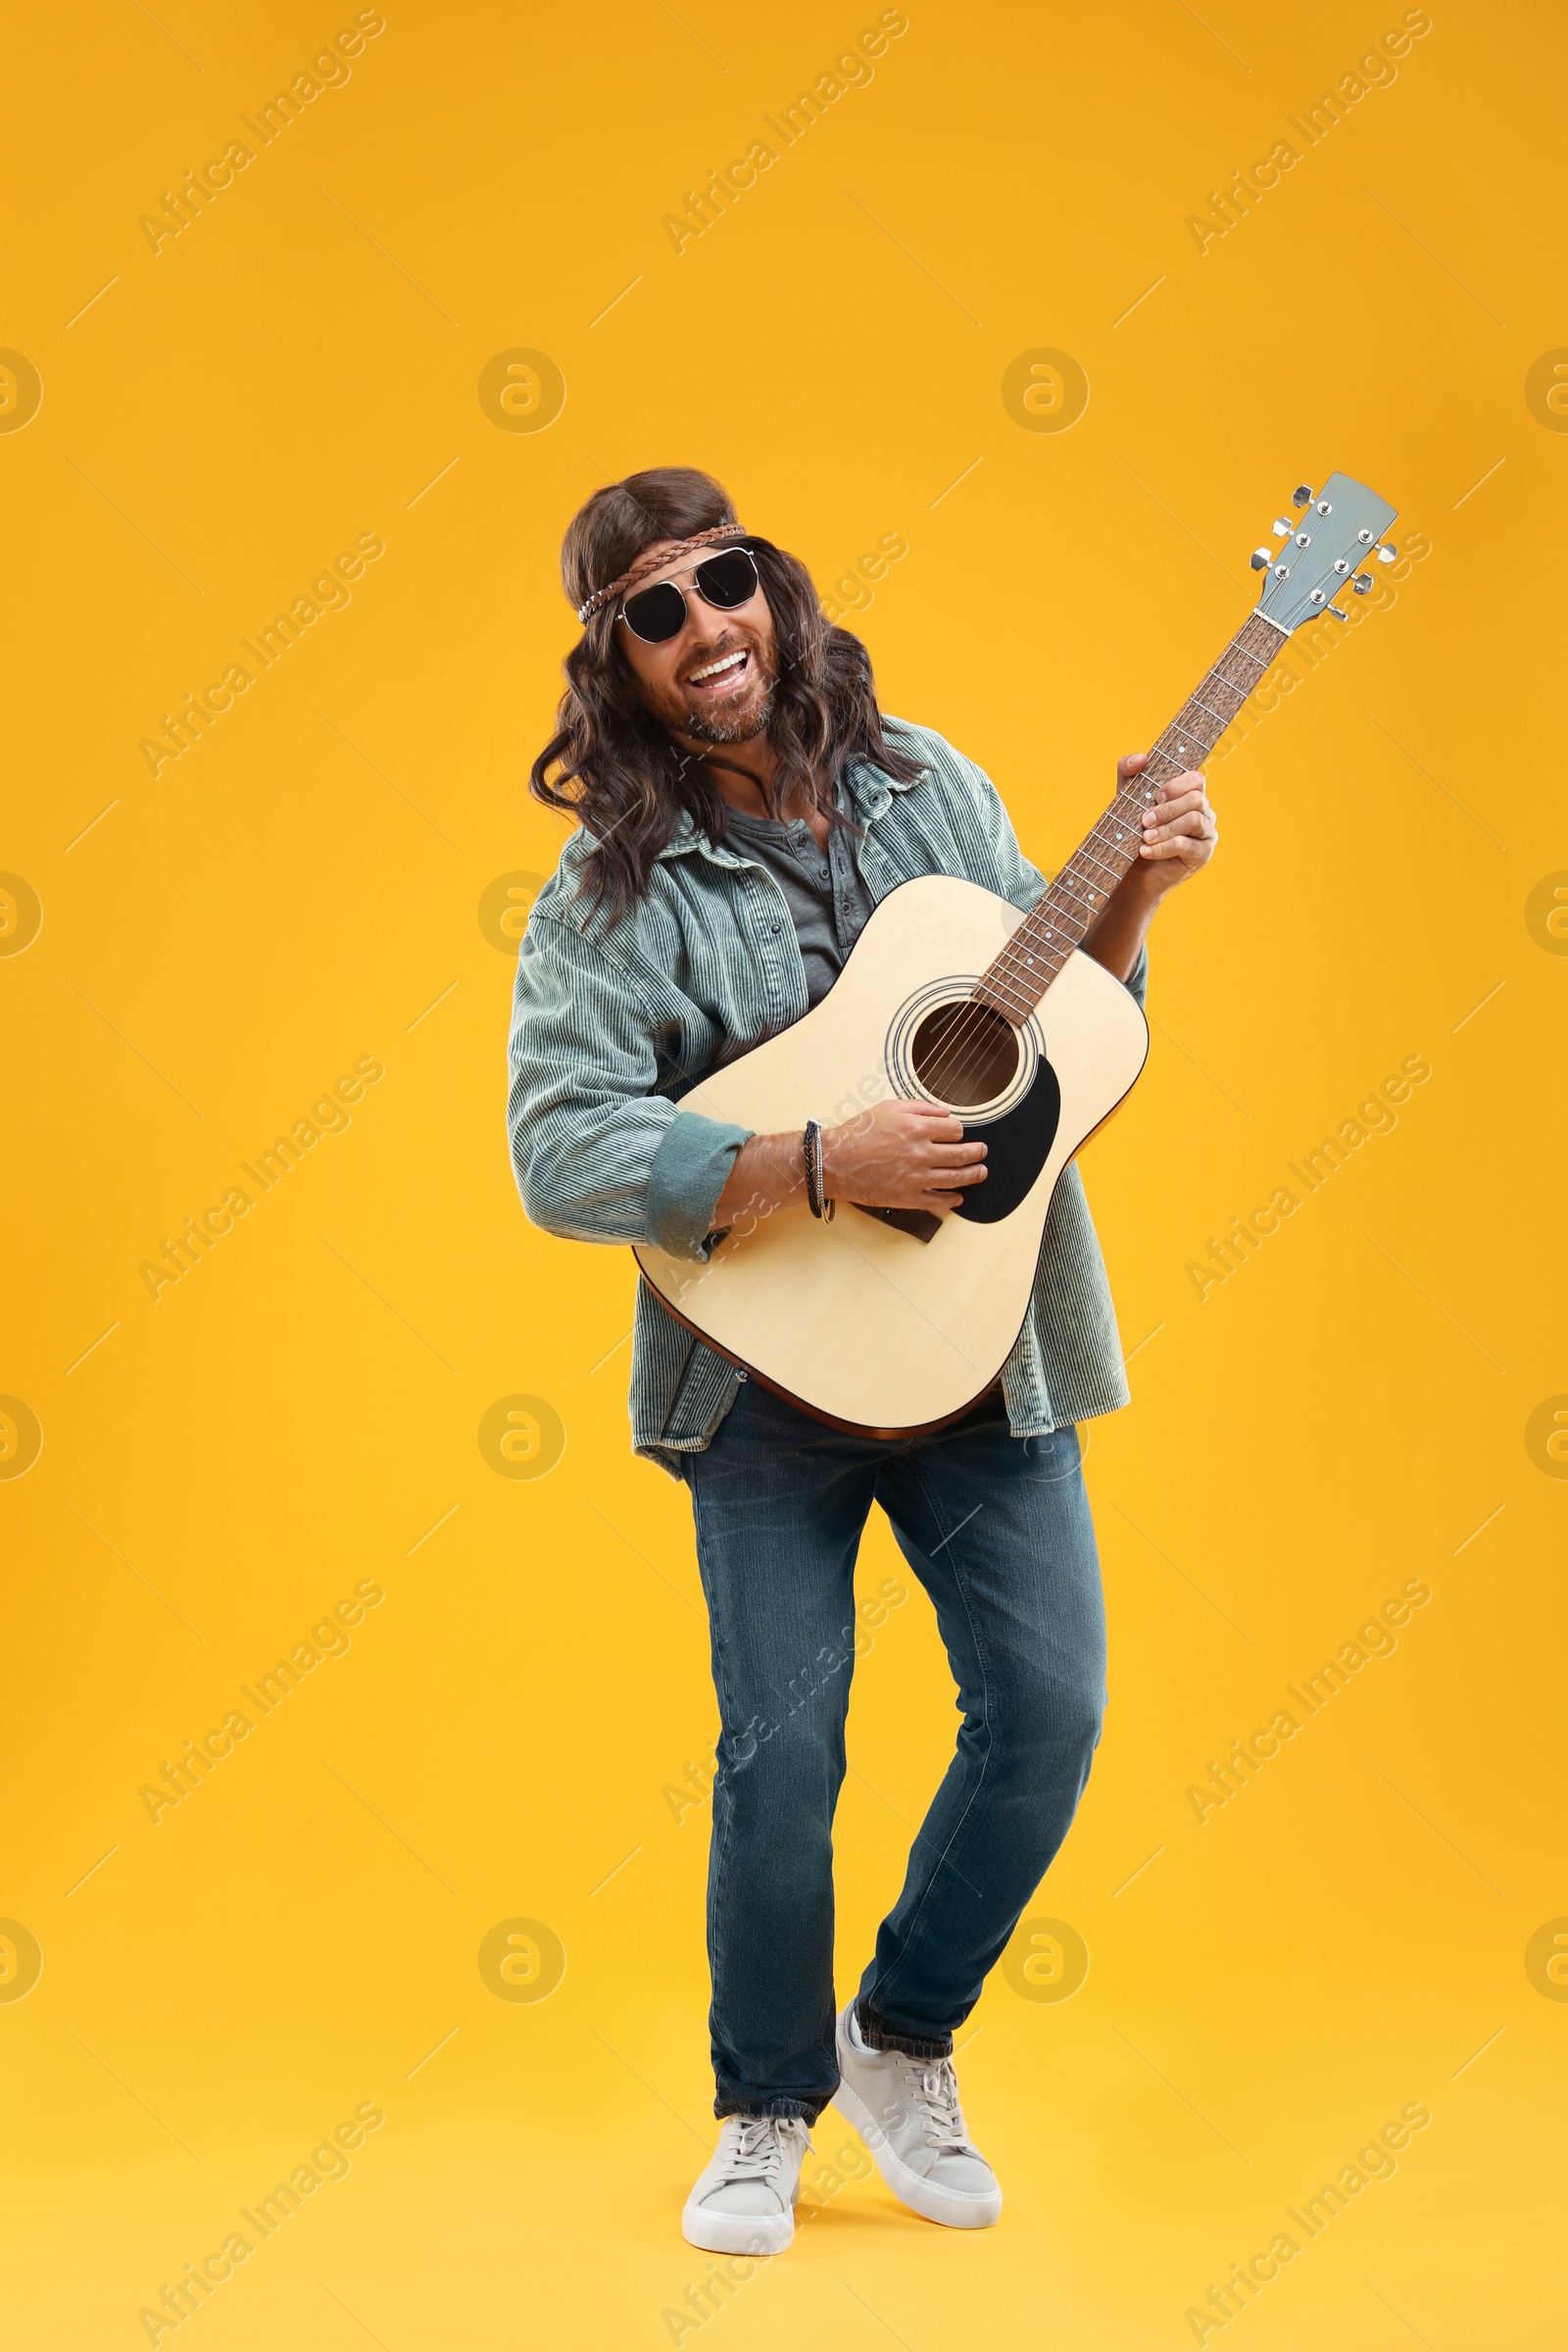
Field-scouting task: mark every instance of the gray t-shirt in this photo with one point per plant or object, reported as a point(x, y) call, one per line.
point(827, 900)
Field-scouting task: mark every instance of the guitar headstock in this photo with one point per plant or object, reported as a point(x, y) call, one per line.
point(1336, 532)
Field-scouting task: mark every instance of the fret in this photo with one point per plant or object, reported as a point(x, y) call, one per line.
point(1107, 866)
point(1032, 980)
point(1023, 987)
point(1236, 646)
point(1042, 952)
point(990, 994)
point(1019, 988)
point(1209, 712)
point(1203, 739)
point(1022, 974)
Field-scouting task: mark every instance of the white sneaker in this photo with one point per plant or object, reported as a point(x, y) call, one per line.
point(744, 2199)
point(906, 2111)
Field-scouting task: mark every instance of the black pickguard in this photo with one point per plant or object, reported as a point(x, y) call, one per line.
point(1017, 1146)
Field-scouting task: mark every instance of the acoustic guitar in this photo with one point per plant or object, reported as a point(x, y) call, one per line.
point(893, 1321)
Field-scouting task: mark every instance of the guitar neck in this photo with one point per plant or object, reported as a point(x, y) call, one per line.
point(1020, 975)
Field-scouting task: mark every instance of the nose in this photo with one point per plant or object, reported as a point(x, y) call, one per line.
point(705, 628)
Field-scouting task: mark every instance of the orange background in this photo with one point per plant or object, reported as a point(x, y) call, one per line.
point(300, 1414)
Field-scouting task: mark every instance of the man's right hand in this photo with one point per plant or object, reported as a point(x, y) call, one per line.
point(898, 1156)
point(902, 1155)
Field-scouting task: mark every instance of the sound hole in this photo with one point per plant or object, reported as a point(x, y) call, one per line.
point(964, 1054)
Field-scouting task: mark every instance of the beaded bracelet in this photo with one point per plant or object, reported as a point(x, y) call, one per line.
point(816, 1199)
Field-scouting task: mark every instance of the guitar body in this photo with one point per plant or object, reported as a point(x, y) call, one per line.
point(868, 1324)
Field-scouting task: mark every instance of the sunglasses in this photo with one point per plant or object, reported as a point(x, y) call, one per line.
point(656, 614)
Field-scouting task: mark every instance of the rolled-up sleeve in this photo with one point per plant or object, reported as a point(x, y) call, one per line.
point(597, 1154)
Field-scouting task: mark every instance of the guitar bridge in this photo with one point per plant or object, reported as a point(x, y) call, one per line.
point(918, 1222)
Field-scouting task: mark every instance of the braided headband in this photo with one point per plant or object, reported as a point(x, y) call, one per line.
point(655, 563)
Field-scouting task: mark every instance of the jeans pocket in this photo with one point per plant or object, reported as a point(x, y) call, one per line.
point(1056, 1455)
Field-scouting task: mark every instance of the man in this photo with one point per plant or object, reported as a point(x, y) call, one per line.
point(742, 804)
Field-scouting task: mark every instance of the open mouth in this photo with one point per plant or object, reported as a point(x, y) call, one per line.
point(726, 676)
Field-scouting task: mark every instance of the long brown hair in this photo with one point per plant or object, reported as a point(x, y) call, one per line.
point(613, 766)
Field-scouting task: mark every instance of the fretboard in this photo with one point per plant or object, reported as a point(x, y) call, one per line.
point(1055, 925)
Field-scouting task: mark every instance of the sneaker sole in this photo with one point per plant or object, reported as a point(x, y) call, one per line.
point(946, 2205)
point(736, 2232)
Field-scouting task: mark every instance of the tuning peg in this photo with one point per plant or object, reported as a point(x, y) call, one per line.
point(1387, 553)
point(1282, 529)
point(1262, 558)
point(1361, 582)
point(1335, 613)
point(1301, 497)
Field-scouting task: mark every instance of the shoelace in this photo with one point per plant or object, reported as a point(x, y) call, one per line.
point(935, 2086)
point(757, 2149)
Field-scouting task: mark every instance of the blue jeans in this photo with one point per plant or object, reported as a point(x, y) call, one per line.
point(998, 1529)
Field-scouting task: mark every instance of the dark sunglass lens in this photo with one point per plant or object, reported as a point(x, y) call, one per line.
point(656, 614)
point(728, 579)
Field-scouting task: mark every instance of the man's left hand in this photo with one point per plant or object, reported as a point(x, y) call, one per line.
point(1180, 830)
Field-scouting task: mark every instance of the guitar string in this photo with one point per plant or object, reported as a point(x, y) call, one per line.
point(955, 1069)
point(1095, 851)
point(962, 1055)
point(975, 1028)
point(963, 1051)
point(971, 1036)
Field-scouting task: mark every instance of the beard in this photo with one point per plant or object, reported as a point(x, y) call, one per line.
point(737, 719)
point(734, 726)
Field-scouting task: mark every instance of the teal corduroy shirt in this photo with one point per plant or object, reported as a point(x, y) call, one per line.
point(612, 1020)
